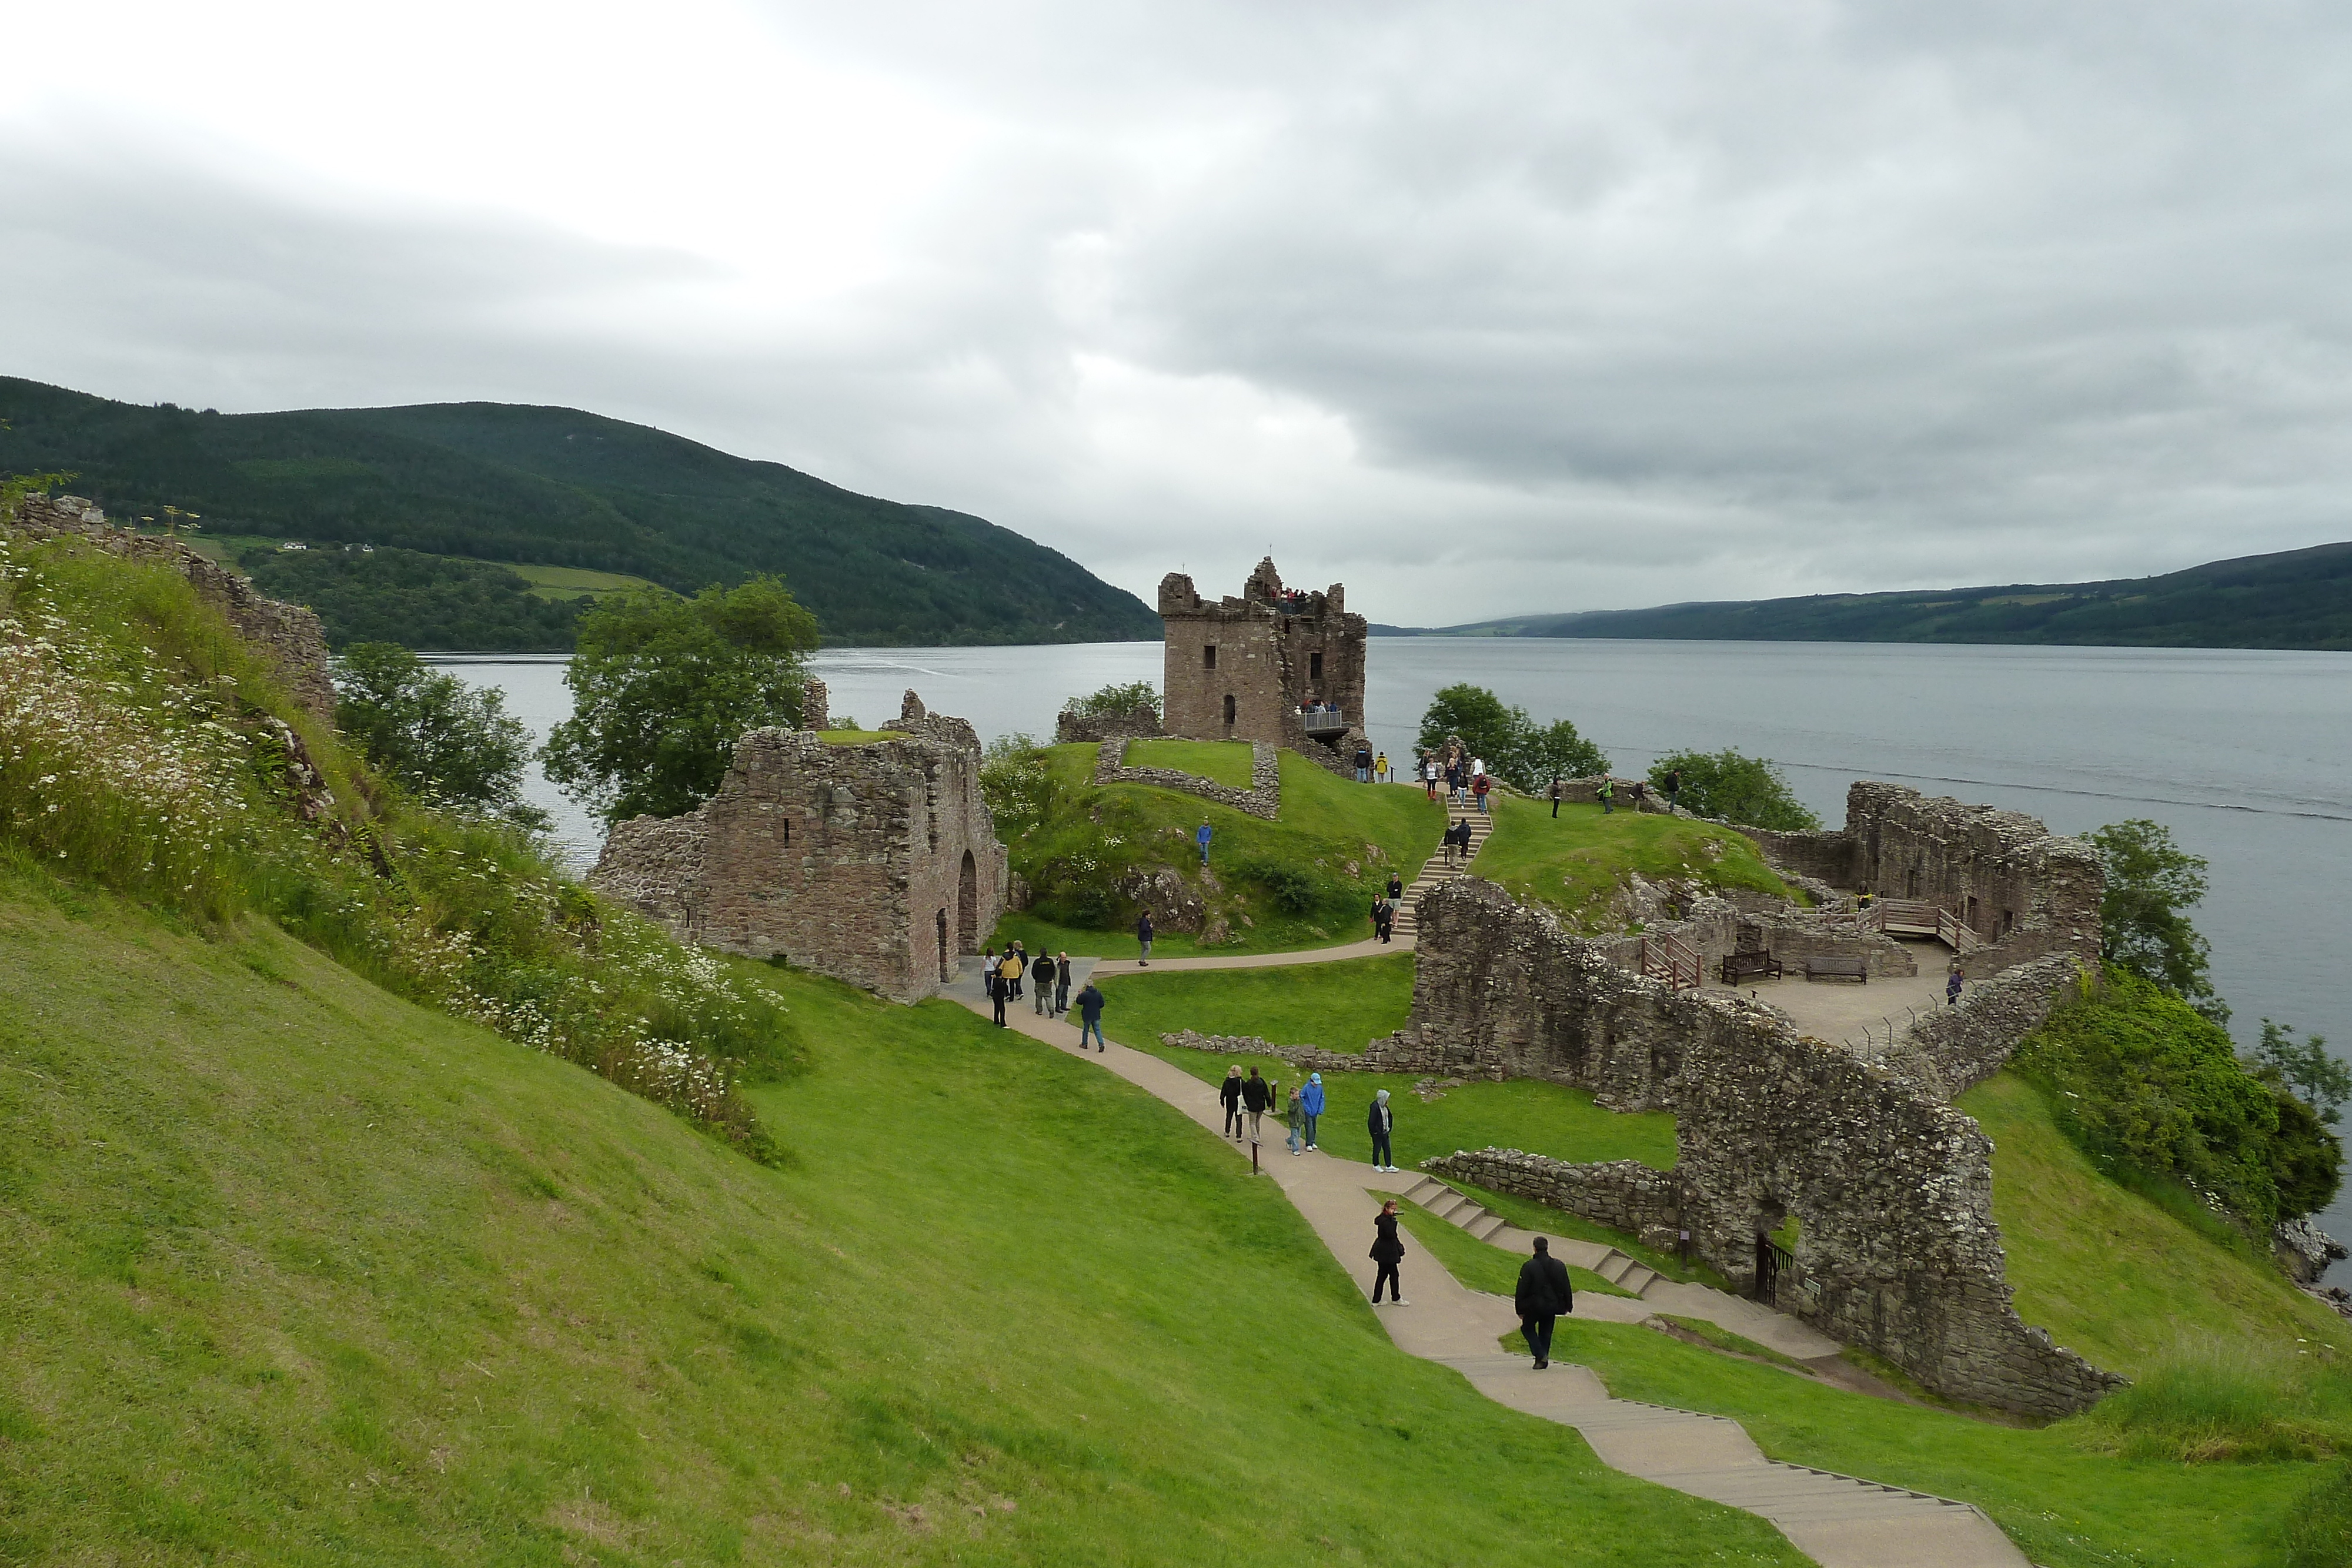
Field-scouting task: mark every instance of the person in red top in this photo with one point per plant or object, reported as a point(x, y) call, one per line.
point(1478, 786)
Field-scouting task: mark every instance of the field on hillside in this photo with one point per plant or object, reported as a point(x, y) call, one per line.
point(1305, 881)
point(1338, 1006)
point(1573, 864)
point(294, 1272)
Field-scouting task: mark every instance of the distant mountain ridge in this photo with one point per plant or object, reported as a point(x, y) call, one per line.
point(556, 486)
point(2294, 598)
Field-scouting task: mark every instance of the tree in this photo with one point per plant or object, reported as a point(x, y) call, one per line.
point(2150, 880)
point(450, 743)
point(663, 687)
point(1116, 701)
point(2323, 1082)
point(1492, 731)
point(1736, 788)
point(1558, 751)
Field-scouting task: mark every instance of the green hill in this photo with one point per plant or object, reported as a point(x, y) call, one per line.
point(2295, 598)
point(558, 487)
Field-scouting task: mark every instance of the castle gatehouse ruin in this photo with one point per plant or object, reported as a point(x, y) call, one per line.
point(1252, 668)
point(876, 863)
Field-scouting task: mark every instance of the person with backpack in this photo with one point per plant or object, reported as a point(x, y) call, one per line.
point(1311, 1101)
point(1090, 1006)
point(1143, 935)
point(1381, 769)
point(1363, 764)
point(1543, 1295)
point(1478, 786)
point(1388, 1252)
point(1383, 1122)
point(1229, 1095)
point(1041, 981)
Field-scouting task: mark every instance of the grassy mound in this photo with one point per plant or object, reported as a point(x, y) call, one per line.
point(1218, 761)
point(299, 1273)
point(1338, 1006)
point(1573, 864)
point(1089, 855)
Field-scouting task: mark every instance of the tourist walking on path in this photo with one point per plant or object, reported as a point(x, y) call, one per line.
point(1255, 1097)
point(994, 980)
point(1143, 932)
point(1952, 987)
point(1388, 1252)
point(1383, 1121)
point(1454, 782)
point(1478, 786)
point(1201, 839)
point(1090, 1005)
point(1429, 773)
point(1041, 975)
point(1296, 1117)
point(1381, 769)
point(1544, 1293)
point(1608, 793)
point(1555, 797)
point(1311, 1100)
point(1061, 985)
point(1229, 1093)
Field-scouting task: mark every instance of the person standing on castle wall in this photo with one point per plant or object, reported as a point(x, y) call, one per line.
point(1543, 1295)
point(1363, 764)
point(1229, 1095)
point(1555, 797)
point(1143, 935)
point(1383, 1122)
point(1311, 1100)
point(1388, 1252)
point(1062, 985)
point(1090, 1006)
point(1040, 976)
point(1201, 839)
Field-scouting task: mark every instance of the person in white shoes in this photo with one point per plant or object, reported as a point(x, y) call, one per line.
point(1383, 1121)
point(1295, 1115)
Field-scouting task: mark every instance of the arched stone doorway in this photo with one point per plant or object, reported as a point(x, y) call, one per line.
point(967, 906)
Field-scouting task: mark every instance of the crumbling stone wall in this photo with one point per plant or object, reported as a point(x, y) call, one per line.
point(1399, 1053)
point(1956, 1047)
point(288, 636)
point(1240, 669)
point(1892, 1188)
point(1263, 798)
point(876, 863)
point(1137, 723)
point(1623, 1195)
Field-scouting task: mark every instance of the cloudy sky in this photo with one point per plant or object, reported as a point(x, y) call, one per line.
point(1482, 308)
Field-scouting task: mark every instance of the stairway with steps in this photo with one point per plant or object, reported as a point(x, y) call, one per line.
point(1437, 871)
point(1467, 1214)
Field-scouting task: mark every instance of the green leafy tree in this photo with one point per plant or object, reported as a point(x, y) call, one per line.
point(1492, 730)
point(1556, 750)
point(449, 742)
point(2305, 1065)
point(1736, 788)
point(663, 687)
point(1115, 701)
point(2150, 881)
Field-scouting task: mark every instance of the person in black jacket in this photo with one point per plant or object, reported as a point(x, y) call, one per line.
point(1143, 935)
point(1388, 1252)
point(1543, 1295)
point(1383, 1122)
point(1255, 1097)
point(1230, 1093)
point(995, 988)
point(1041, 981)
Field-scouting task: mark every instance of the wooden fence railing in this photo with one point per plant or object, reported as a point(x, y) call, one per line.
point(1668, 958)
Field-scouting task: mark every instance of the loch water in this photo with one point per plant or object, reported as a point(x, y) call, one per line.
point(2245, 755)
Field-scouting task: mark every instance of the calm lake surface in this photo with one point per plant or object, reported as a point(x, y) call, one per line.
point(2245, 755)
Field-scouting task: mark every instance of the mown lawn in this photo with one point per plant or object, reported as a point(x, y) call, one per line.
point(1338, 1006)
point(1218, 761)
point(293, 1272)
point(1573, 863)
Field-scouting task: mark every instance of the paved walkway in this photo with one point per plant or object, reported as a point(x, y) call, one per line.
point(1839, 1522)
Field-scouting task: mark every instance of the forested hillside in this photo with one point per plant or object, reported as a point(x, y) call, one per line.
point(2295, 598)
point(560, 487)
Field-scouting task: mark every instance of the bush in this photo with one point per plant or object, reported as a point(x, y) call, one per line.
point(1115, 701)
point(1292, 889)
point(1736, 788)
point(447, 741)
point(2150, 881)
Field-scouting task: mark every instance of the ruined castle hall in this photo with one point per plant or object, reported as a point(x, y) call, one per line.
point(1241, 669)
point(876, 863)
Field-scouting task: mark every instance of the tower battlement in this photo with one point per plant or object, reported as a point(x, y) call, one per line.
point(1243, 668)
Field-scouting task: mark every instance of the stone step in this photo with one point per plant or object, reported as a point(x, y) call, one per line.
point(1485, 1226)
point(1638, 1279)
point(1424, 1189)
point(1615, 1267)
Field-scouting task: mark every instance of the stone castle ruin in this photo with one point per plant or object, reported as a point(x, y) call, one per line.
point(1244, 669)
point(876, 863)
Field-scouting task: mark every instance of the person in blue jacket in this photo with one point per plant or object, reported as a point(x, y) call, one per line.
point(1201, 839)
point(1311, 1101)
point(1383, 1122)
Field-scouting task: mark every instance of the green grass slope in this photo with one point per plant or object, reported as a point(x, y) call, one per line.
point(1571, 864)
point(1307, 880)
point(556, 486)
point(1338, 1006)
point(292, 1272)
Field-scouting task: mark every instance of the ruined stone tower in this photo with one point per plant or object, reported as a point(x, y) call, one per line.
point(1241, 669)
point(874, 864)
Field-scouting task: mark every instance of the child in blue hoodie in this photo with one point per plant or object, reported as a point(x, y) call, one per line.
point(1311, 1101)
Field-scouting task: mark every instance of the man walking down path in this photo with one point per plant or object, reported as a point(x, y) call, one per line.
point(1544, 1293)
point(1229, 1093)
point(1396, 887)
point(1143, 923)
point(1311, 1100)
point(1061, 985)
point(1383, 1122)
point(1041, 975)
point(1090, 1005)
point(1388, 1252)
point(1255, 1096)
point(1201, 839)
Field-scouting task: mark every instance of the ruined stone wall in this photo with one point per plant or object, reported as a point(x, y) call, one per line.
point(1623, 1195)
point(1400, 1053)
point(1998, 871)
point(1959, 1047)
point(1826, 857)
point(1263, 798)
point(874, 864)
point(1892, 1189)
point(288, 636)
point(1138, 723)
point(1264, 659)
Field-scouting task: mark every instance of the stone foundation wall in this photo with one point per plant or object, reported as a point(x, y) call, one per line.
point(288, 636)
point(1624, 1195)
point(1825, 857)
point(1403, 1051)
point(1263, 798)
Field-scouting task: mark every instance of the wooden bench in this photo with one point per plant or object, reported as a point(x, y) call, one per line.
point(1738, 967)
point(1832, 969)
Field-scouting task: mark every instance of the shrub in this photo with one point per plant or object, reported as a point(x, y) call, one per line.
point(1292, 889)
point(2150, 881)
point(441, 738)
point(1115, 701)
point(1736, 788)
